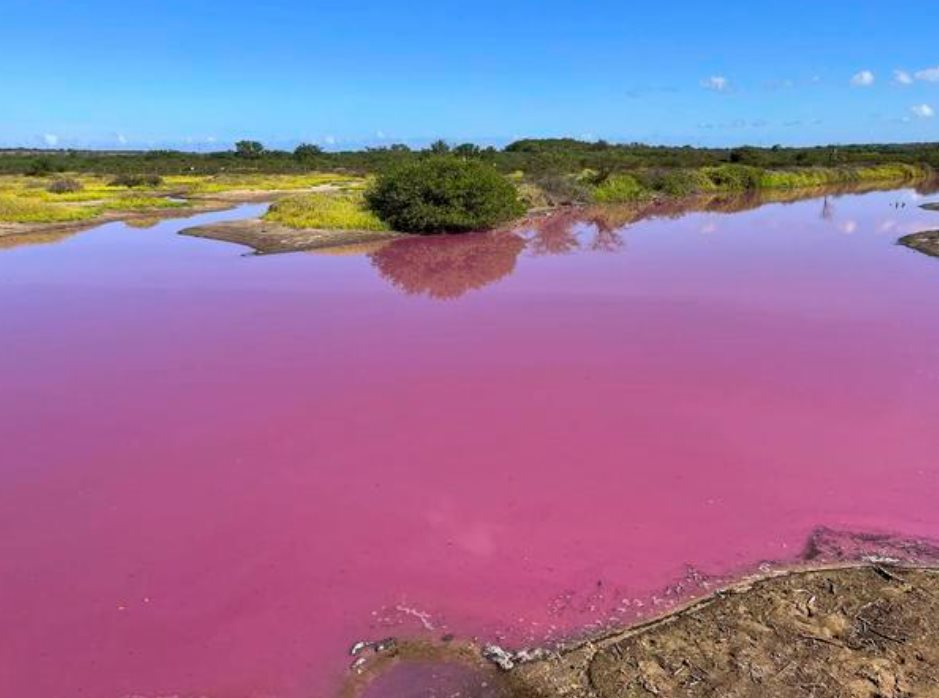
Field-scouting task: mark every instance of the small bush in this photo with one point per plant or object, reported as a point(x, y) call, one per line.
point(136, 180)
point(65, 185)
point(619, 189)
point(680, 182)
point(443, 194)
point(563, 189)
point(39, 167)
point(733, 177)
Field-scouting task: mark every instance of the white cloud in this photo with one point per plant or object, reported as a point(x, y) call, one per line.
point(928, 74)
point(50, 139)
point(865, 78)
point(329, 140)
point(901, 77)
point(120, 138)
point(923, 111)
point(718, 83)
point(380, 135)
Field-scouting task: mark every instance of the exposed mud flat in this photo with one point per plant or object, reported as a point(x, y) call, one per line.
point(859, 624)
point(270, 238)
point(926, 242)
point(858, 631)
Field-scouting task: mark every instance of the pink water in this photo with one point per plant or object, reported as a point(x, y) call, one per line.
point(217, 471)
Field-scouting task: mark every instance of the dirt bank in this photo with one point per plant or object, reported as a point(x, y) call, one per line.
point(270, 238)
point(863, 630)
point(926, 242)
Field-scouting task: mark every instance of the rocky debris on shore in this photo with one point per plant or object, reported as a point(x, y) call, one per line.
point(508, 660)
point(362, 650)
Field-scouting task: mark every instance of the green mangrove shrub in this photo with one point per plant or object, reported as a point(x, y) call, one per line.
point(443, 194)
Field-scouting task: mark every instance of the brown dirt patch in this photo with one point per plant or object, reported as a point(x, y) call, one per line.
point(867, 630)
point(270, 238)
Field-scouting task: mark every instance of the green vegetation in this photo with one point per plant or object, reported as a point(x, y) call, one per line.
point(15, 209)
point(136, 180)
point(534, 157)
point(249, 149)
point(619, 188)
point(72, 199)
point(202, 185)
point(443, 187)
point(645, 184)
point(443, 194)
point(328, 211)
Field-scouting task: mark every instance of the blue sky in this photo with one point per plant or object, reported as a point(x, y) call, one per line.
point(202, 74)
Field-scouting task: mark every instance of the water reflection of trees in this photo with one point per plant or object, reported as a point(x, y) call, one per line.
point(445, 267)
point(448, 266)
point(596, 230)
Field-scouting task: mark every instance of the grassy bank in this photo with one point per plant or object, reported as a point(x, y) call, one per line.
point(329, 200)
point(75, 197)
point(647, 184)
point(34, 200)
point(325, 211)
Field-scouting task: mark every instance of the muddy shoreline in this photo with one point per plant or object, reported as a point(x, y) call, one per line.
point(846, 629)
point(857, 615)
point(271, 238)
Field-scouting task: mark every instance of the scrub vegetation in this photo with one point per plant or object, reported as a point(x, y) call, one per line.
point(647, 184)
point(534, 157)
point(74, 199)
point(443, 194)
point(441, 188)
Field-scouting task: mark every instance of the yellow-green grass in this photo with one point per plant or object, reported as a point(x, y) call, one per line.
point(15, 209)
point(201, 184)
point(325, 210)
point(623, 188)
point(820, 176)
point(27, 200)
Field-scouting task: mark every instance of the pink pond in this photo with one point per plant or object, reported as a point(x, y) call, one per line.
point(218, 470)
